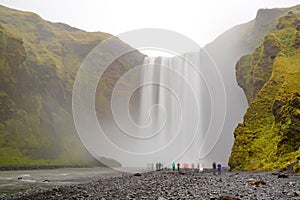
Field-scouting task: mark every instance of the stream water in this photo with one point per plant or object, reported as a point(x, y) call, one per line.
point(20, 181)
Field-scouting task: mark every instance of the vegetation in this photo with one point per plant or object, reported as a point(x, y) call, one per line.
point(269, 137)
point(38, 64)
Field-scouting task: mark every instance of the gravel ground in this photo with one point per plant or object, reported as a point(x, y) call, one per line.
point(167, 184)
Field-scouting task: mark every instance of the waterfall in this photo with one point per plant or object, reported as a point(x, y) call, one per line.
point(167, 109)
point(170, 107)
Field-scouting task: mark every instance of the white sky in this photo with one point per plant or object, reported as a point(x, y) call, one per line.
point(199, 20)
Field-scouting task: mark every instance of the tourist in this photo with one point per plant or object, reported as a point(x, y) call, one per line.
point(201, 167)
point(178, 166)
point(173, 166)
point(214, 168)
point(219, 168)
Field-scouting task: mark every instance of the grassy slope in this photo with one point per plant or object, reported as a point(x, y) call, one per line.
point(39, 129)
point(269, 137)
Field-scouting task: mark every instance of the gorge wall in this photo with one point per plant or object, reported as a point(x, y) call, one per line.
point(269, 137)
point(38, 64)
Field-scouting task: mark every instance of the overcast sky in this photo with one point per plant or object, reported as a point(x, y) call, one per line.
point(199, 20)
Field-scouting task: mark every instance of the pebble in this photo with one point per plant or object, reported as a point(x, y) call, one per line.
point(173, 185)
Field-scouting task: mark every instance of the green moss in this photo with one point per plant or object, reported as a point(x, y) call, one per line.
point(266, 21)
point(296, 168)
point(38, 65)
point(269, 136)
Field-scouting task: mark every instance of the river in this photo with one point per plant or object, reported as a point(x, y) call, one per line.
point(20, 181)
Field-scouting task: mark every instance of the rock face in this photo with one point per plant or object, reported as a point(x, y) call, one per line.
point(269, 137)
point(38, 64)
point(253, 80)
point(225, 51)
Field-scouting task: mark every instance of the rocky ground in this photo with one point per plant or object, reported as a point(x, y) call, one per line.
point(167, 184)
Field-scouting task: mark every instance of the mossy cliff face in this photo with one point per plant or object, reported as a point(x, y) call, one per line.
point(38, 64)
point(12, 54)
point(269, 137)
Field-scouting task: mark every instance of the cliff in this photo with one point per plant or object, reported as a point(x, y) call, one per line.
point(225, 51)
point(38, 64)
point(269, 137)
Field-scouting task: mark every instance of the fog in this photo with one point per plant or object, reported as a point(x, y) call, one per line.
point(202, 21)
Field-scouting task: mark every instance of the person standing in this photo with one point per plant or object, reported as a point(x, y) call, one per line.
point(214, 166)
point(178, 166)
point(201, 168)
point(173, 166)
point(219, 168)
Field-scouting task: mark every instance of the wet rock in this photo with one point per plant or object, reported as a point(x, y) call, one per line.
point(137, 174)
point(258, 182)
point(227, 197)
point(290, 194)
point(292, 183)
point(283, 176)
point(235, 174)
point(275, 173)
point(181, 173)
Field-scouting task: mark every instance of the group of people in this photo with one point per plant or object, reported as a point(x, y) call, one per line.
point(200, 167)
point(158, 166)
point(217, 166)
point(174, 166)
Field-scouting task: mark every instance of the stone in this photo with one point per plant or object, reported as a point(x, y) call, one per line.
point(227, 197)
point(283, 176)
point(170, 185)
point(137, 174)
point(297, 193)
point(258, 182)
point(275, 173)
